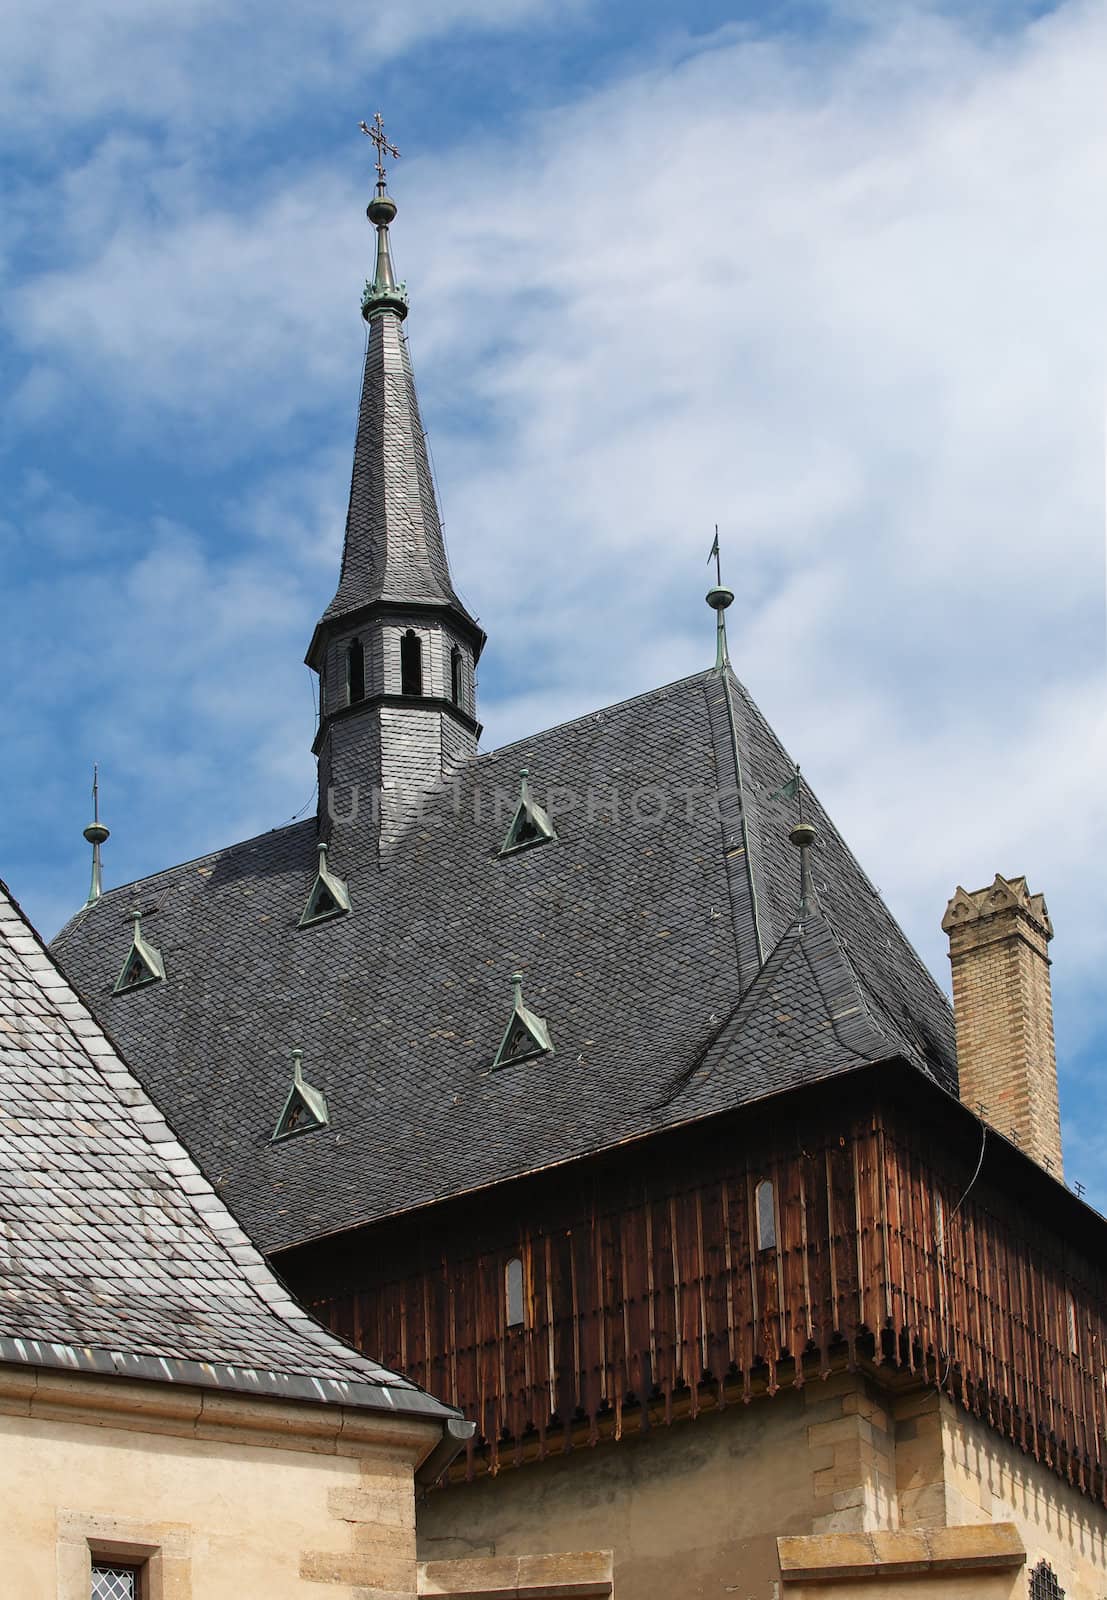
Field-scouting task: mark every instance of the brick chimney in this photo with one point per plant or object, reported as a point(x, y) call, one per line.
point(1003, 1009)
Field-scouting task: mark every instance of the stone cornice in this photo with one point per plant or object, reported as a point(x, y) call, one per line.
point(49, 1394)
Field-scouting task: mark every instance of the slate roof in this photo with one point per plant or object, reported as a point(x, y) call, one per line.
point(116, 1256)
point(393, 550)
point(662, 949)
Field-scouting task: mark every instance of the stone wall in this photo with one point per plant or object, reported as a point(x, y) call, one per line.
point(858, 1485)
point(222, 1496)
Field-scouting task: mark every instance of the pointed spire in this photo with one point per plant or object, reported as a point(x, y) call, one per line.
point(394, 551)
point(719, 597)
point(96, 834)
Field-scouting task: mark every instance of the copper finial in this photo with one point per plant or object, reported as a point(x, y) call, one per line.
point(96, 834)
point(376, 133)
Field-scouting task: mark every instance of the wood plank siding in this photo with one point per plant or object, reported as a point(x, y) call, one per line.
point(647, 1286)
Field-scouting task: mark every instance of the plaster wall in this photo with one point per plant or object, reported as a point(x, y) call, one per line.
point(988, 1480)
point(693, 1509)
point(282, 1519)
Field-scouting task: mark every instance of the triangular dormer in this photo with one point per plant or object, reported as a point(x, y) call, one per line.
point(329, 895)
point(305, 1108)
point(526, 1034)
point(143, 964)
point(530, 825)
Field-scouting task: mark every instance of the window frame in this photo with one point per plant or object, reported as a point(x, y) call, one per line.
point(762, 1186)
point(140, 1568)
point(511, 1324)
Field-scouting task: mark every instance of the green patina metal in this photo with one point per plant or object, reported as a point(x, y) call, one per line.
point(530, 825)
point(143, 964)
point(329, 895)
point(304, 1109)
point(96, 834)
point(526, 1035)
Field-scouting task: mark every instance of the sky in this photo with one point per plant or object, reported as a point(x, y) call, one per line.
point(828, 275)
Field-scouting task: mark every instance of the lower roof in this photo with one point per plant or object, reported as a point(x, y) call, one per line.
point(116, 1255)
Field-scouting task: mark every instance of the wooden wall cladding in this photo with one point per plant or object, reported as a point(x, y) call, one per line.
point(645, 1288)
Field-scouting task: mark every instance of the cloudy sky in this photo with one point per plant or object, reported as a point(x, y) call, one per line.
point(830, 275)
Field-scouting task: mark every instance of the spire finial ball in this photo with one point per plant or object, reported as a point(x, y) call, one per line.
point(381, 209)
point(720, 597)
point(96, 833)
point(803, 835)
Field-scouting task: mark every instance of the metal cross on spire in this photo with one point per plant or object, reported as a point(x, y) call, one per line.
point(376, 133)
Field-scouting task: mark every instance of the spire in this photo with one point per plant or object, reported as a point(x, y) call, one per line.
point(719, 597)
point(96, 834)
point(394, 552)
point(396, 650)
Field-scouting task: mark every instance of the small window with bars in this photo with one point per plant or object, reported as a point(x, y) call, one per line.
point(110, 1581)
point(1043, 1583)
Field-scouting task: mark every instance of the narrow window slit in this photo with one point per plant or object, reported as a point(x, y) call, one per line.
point(355, 671)
point(513, 1292)
point(411, 663)
point(765, 1206)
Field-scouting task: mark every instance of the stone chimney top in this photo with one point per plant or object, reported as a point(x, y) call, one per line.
point(1003, 1009)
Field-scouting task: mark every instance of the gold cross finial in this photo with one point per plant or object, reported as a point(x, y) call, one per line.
point(376, 133)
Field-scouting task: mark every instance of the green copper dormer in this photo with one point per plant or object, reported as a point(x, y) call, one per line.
point(526, 1035)
point(531, 823)
point(305, 1108)
point(143, 964)
point(329, 895)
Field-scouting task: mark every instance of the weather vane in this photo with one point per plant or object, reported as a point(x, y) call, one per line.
point(376, 133)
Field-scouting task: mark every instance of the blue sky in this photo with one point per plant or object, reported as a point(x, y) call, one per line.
point(829, 275)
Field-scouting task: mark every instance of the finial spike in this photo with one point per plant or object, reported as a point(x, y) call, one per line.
point(517, 985)
point(298, 1066)
point(96, 834)
point(803, 835)
point(384, 293)
point(719, 597)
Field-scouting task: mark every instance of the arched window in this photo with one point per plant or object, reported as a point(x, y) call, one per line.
point(1074, 1348)
point(411, 663)
point(765, 1206)
point(513, 1292)
point(355, 671)
point(455, 675)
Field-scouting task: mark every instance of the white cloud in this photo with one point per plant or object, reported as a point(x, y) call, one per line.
point(202, 67)
point(840, 295)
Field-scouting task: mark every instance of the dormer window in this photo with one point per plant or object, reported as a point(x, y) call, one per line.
point(455, 675)
point(765, 1210)
point(329, 895)
point(304, 1109)
point(530, 825)
point(355, 671)
point(526, 1035)
point(411, 663)
point(143, 964)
